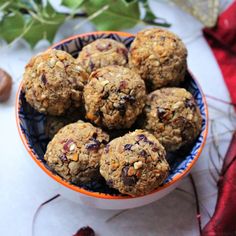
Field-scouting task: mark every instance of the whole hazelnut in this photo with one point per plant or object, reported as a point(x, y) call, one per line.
point(5, 85)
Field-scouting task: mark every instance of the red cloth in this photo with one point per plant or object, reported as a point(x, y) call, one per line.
point(222, 40)
point(223, 222)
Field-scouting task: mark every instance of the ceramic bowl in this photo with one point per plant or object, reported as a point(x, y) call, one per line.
point(31, 129)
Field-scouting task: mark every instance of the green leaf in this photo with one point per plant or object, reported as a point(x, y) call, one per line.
point(73, 4)
point(119, 14)
point(149, 15)
point(45, 29)
point(4, 1)
point(11, 26)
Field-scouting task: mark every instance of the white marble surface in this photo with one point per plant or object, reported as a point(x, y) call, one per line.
point(23, 186)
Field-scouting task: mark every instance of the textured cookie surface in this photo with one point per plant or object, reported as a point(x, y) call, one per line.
point(134, 164)
point(75, 151)
point(159, 56)
point(173, 117)
point(114, 97)
point(101, 53)
point(53, 82)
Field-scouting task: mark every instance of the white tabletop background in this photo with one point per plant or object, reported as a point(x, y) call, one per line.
point(24, 186)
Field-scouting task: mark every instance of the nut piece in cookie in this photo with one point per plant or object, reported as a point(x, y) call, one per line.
point(75, 151)
point(53, 82)
point(134, 164)
point(114, 97)
point(159, 56)
point(101, 53)
point(173, 117)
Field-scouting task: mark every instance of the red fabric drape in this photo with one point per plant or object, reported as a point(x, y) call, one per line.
point(223, 221)
point(222, 40)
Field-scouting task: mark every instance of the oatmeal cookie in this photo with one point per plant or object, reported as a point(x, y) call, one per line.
point(101, 53)
point(53, 82)
point(159, 56)
point(173, 117)
point(75, 151)
point(134, 164)
point(114, 97)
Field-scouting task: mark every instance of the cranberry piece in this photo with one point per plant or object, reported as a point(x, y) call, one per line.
point(98, 114)
point(107, 148)
point(129, 98)
point(189, 103)
point(95, 135)
point(122, 109)
point(155, 149)
point(43, 79)
point(104, 141)
point(94, 145)
point(106, 95)
point(161, 113)
point(63, 158)
point(142, 137)
point(128, 147)
point(143, 153)
point(66, 146)
point(91, 65)
point(123, 84)
point(128, 180)
point(85, 231)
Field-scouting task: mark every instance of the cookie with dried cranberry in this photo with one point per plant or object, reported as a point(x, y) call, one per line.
point(172, 115)
point(134, 164)
point(53, 82)
point(75, 151)
point(114, 97)
point(159, 56)
point(101, 53)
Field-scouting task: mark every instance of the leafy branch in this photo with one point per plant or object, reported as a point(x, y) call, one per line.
point(34, 20)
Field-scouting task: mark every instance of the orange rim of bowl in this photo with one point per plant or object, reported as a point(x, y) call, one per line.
point(78, 189)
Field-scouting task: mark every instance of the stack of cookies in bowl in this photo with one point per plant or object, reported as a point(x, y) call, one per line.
point(115, 113)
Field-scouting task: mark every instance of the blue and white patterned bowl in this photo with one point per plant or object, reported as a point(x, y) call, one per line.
point(31, 129)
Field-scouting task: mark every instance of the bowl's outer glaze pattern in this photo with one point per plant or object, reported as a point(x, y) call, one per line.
point(32, 123)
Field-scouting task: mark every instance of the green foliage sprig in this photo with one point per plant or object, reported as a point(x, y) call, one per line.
point(34, 20)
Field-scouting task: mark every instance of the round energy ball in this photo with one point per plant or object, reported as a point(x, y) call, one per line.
point(173, 117)
point(53, 82)
point(75, 151)
point(114, 97)
point(159, 56)
point(134, 164)
point(101, 53)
